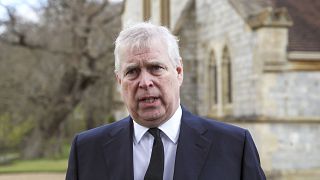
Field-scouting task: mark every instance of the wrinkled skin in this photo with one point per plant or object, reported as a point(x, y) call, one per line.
point(150, 84)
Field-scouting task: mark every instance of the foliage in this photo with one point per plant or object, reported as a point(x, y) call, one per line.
point(51, 67)
point(39, 165)
point(12, 133)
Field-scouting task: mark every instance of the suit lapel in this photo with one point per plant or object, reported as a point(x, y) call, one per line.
point(192, 149)
point(118, 152)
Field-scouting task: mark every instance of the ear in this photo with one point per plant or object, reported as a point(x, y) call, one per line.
point(179, 70)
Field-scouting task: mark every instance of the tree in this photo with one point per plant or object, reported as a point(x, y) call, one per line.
point(72, 44)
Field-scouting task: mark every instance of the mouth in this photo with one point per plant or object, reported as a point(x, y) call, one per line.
point(149, 101)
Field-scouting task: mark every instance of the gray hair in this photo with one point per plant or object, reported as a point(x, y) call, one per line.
point(140, 35)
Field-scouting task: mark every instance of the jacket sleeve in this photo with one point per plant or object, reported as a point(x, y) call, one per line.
point(72, 171)
point(251, 168)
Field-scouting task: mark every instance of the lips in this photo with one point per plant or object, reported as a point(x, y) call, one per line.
point(149, 101)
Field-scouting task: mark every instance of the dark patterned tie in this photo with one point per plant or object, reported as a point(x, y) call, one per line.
point(156, 165)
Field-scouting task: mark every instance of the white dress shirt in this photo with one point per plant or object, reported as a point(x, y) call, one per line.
point(143, 141)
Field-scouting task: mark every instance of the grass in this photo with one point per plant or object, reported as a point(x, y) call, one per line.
point(41, 165)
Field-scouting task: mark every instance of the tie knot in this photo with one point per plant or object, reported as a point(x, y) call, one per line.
point(155, 132)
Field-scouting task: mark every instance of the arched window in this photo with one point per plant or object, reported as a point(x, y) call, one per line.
point(165, 13)
point(226, 77)
point(146, 10)
point(212, 81)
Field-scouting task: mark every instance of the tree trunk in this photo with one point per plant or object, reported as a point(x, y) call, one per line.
point(90, 119)
point(42, 140)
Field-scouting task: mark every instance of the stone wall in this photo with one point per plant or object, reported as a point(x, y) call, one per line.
point(176, 8)
point(291, 95)
point(287, 150)
point(288, 101)
point(188, 45)
point(132, 13)
point(220, 26)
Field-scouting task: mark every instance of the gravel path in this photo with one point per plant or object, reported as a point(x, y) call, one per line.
point(33, 176)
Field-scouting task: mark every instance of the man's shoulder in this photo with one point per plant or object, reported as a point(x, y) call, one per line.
point(104, 131)
point(220, 125)
point(213, 126)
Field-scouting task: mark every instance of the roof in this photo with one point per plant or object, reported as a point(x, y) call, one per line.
point(304, 35)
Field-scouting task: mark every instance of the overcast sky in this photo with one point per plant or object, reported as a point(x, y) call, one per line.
point(22, 7)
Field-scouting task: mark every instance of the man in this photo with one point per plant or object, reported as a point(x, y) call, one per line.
point(160, 139)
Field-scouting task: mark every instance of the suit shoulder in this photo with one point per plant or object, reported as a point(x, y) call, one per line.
point(223, 126)
point(218, 128)
point(103, 131)
point(223, 133)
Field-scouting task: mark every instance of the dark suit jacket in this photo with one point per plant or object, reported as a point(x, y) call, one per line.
point(207, 150)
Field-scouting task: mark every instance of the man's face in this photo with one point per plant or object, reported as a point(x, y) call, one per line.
point(150, 84)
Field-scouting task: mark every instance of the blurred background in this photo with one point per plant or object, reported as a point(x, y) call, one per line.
point(252, 63)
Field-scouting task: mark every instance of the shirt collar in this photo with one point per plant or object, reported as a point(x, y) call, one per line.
point(171, 128)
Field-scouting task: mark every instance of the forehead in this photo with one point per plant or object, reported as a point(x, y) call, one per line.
point(154, 50)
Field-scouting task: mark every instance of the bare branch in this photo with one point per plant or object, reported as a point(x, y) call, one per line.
point(11, 12)
point(21, 38)
point(105, 52)
point(97, 12)
point(22, 43)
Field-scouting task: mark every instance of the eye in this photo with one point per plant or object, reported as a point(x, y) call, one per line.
point(132, 73)
point(156, 69)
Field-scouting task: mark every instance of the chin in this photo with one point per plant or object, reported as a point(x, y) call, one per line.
point(151, 124)
point(153, 121)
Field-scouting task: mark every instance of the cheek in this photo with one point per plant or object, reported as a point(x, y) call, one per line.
point(127, 90)
point(124, 90)
point(169, 86)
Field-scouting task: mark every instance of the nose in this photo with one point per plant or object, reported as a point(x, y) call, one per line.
point(145, 80)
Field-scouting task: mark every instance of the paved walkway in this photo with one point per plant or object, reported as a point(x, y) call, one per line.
point(33, 176)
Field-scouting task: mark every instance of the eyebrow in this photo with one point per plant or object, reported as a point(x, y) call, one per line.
point(148, 64)
point(130, 66)
point(153, 63)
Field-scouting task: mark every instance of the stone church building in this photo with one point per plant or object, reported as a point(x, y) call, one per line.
point(253, 63)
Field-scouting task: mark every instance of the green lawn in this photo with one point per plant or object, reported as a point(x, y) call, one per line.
point(43, 165)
